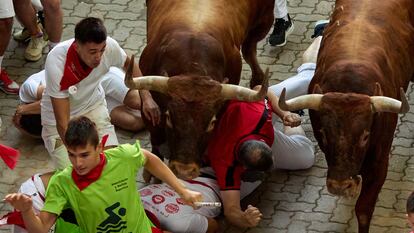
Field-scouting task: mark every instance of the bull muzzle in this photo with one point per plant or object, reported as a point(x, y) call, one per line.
point(349, 188)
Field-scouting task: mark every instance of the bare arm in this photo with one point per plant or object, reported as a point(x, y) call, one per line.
point(156, 167)
point(61, 109)
point(212, 225)
point(149, 107)
point(26, 109)
point(233, 213)
point(34, 223)
point(288, 118)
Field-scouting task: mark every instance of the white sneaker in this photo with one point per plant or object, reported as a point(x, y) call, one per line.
point(34, 49)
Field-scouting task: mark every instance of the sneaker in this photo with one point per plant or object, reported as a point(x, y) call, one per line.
point(22, 36)
point(280, 32)
point(319, 28)
point(35, 47)
point(7, 85)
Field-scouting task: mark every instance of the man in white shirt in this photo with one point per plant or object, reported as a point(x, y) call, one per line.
point(74, 69)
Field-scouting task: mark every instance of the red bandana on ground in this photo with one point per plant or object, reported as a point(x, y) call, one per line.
point(74, 72)
point(84, 181)
point(14, 218)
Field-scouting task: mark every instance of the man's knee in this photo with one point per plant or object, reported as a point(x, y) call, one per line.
point(6, 23)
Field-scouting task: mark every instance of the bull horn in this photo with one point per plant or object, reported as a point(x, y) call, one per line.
point(387, 104)
point(230, 91)
point(154, 83)
point(311, 101)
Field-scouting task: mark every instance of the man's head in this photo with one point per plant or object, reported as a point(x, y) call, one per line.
point(410, 210)
point(82, 143)
point(255, 155)
point(90, 38)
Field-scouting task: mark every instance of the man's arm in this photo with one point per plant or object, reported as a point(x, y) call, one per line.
point(149, 107)
point(61, 109)
point(288, 118)
point(233, 213)
point(156, 167)
point(33, 223)
point(212, 225)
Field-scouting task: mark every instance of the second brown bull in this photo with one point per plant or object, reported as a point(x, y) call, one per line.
point(193, 50)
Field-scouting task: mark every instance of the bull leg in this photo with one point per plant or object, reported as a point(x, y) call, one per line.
point(234, 67)
point(249, 47)
point(371, 186)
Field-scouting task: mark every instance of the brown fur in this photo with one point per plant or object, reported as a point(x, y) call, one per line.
point(367, 41)
point(197, 44)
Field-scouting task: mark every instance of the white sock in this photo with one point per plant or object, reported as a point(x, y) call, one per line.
point(1, 61)
point(286, 18)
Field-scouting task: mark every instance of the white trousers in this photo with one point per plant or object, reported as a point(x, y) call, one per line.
point(293, 152)
point(280, 10)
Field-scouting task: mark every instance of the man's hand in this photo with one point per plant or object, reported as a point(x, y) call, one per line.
point(20, 201)
point(151, 110)
point(291, 119)
point(190, 197)
point(252, 216)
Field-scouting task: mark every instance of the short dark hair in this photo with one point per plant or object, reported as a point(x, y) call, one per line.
point(256, 155)
point(81, 132)
point(90, 29)
point(410, 204)
point(32, 124)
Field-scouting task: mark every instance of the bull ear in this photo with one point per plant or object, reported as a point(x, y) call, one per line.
point(317, 89)
point(378, 90)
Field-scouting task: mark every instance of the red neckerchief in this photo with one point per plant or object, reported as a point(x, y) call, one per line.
point(84, 181)
point(74, 71)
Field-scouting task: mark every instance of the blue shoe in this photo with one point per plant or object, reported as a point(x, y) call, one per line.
point(319, 28)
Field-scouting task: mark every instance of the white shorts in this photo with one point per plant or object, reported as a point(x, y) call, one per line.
point(57, 150)
point(6, 9)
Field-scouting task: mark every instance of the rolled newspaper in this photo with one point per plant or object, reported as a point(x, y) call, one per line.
point(207, 204)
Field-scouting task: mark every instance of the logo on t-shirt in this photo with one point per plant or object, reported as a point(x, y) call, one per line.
point(168, 193)
point(180, 201)
point(145, 192)
point(172, 208)
point(158, 199)
point(114, 222)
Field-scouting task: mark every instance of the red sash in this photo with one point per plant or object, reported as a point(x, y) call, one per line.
point(74, 71)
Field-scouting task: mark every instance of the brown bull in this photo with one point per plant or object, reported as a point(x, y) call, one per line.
point(195, 45)
point(366, 57)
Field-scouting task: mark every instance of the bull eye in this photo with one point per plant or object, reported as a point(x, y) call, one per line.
point(168, 119)
point(364, 138)
point(211, 124)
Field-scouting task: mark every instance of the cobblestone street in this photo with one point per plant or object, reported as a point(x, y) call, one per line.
point(293, 202)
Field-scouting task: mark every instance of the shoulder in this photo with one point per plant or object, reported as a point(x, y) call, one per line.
point(125, 150)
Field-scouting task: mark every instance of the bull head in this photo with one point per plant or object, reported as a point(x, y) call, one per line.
point(342, 125)
point(191, 112)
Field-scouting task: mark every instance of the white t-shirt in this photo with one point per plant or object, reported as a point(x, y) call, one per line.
point(89, 91)
point(162, 201)
point(28, 89)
